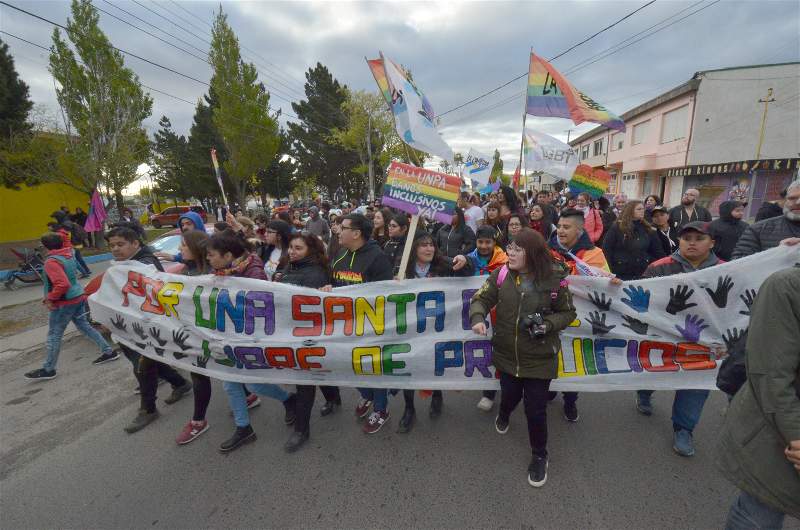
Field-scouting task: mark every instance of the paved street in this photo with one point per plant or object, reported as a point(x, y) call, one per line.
point(66, 462)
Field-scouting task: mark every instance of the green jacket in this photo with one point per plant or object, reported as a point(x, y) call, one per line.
point(514, 351)
point(764, 416)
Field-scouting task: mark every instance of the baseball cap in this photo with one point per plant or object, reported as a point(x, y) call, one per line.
point(662, 209)
point(697, 226)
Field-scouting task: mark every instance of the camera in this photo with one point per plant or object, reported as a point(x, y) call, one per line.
point(534, 324)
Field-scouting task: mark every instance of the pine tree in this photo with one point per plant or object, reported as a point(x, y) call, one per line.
point(15, 103)
point(170, 162)
point(204, 136)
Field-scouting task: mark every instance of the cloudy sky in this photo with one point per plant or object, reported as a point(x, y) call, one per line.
point(456, 50)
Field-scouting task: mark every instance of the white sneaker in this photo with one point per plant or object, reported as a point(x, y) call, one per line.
point(485, 404)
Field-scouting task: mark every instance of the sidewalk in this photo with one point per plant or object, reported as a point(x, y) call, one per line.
point(30, 340)
point(27, 292)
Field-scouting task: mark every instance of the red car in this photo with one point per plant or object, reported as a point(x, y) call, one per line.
point(169, 216)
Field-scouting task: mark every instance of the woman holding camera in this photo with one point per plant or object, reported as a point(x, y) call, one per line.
point(531, 292)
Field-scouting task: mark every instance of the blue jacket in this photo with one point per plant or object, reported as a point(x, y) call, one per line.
point(195, 218)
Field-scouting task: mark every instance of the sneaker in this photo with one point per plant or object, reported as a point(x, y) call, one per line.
point(178, 393)
point(500, 425)
point(407, 421)
point(537, 471)
point(362, 407)
point(330, 407)
point(643, 404)
point(571, 412)
point(436, 406)
point(142, 420)
point(40, 375)
point(241, 436)
point(106, 357)
point(376, 420)
point(295, 441)
point(253, 401)
point(485, 404)
point(682, 442)
point(290, 405)
point(192, 430)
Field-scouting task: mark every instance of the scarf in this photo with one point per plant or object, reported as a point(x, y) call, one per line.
point(237, 266)
point(421, 270)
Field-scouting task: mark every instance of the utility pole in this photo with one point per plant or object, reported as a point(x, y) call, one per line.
point(369, 154)
point(766, 101)
point(568, 133)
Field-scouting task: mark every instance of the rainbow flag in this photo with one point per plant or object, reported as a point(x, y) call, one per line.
point(379, 73)
point(593, 182)
point(420, 191)
point(551, 95)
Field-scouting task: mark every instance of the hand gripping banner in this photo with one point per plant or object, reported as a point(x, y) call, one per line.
point(662, 333)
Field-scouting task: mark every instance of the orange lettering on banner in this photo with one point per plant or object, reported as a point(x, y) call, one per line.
point(694, 361)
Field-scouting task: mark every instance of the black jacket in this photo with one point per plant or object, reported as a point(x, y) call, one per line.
point(145, 255)
point(668, 244)
point(768, 210)
point(305, 273)
point(678, 218)
point(726, 230)
point(765, 235)
point(394, 251)
point(442, 269)
point(677, 264)
point(367, 264)
point(629, 256)
point(454, 241)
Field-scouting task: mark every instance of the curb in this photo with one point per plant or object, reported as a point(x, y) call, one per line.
point(36, 344)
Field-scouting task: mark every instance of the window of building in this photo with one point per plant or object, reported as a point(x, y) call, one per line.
point(617, 139)
point(673, 125)
point(598, 147)
point(584, 152)
point(640, 132)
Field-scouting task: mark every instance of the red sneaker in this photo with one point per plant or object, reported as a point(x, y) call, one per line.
point(376, 421)
point(192, 430)
point(362, 408)
point(253, 401)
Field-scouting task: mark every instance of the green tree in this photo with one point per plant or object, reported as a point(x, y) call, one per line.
point(204, 136)
point(15, 103)
point(249, 132)
point(281, 176)
point(170, 162)
point(102, 100)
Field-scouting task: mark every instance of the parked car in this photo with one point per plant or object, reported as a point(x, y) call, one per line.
point(170, 243)
point(170, 216)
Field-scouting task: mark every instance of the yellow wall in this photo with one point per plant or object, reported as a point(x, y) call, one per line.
point(24, 214)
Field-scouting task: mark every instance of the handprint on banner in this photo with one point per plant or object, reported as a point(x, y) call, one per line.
point(178, 355)
point(119, 323)
point(720, 295)
point(137, 328)
point(637, 326)
point(639, 299)
point(600, 302)
point(156, 334)
point(732, 336)
point(598, 322)
point(180, 338)
point(694, 325)
point(677, 299)
point(748, 297)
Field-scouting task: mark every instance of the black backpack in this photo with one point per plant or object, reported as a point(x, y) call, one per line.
point(733, 371)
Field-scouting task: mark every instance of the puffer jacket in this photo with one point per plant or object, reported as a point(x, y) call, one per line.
point(305, 273)
point(726, 230)
point(514, 350)
point(454, 241)
point(765, 235)
point(629, 256)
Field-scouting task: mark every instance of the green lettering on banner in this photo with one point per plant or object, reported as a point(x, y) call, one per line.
point(211, 321)
point(400, 301)
point(389, 365)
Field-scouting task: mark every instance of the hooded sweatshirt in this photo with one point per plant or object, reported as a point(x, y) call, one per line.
point(367, 264)
point(583, 249)
point(195, 218)
point(726, 230)
point(61, 284)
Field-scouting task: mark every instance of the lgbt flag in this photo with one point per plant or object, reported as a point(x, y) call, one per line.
point(594, 182)
point(551, 95)
point(548, 155)
point(477, 168)
point(97, 214)
point(420, 191)
point(378, 72)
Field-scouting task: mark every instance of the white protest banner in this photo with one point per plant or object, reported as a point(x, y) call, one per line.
point(413, 114)
point(477, 167)
point(662, 333)
point(549, 155)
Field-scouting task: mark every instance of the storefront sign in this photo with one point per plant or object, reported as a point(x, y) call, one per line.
point(778, 164)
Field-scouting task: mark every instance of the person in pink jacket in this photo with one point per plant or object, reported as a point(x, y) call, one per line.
point(592, 219)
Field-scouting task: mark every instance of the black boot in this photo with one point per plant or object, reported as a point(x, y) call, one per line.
point(295, 441)
point(330, 407)
point(241, 436)
point(436, 405)
point(407, 421)
point(290, 405)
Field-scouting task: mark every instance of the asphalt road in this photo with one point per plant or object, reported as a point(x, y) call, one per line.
point(65, 462)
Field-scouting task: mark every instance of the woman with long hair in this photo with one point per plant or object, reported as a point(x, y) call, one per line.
point(457, 237)
point(297, 220)
point(380, 226)
point(494, 220)
point(631, 244)
point(509, 202)
point(592, 218)
point(398, 230)
point(336, 229)
point(531, 294)
point(276, 244)
point(540, 221)
point(516, 222)
point(650, 202)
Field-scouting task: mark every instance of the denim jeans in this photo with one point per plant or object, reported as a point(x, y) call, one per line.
point(238, 401)
point(686, 408)
point(59, 319)
point(749, 513)
point(378, 396)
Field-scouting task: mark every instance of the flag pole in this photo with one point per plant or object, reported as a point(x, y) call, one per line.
point(524, 115)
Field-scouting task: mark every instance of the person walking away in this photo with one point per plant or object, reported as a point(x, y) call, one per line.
point(695, 252)
point(759, 446)
point(770, 233)
point(533, 297)
point(398, 231)
point(125, 244)
point(229, 255)
point(660, 216)
point(687, 211)
point(73, 236)
point(307, 267)
point(318, 226)
point(727, 229)
point(65, 299)
point(456, 238)
point(359, 261)
point(631, 244)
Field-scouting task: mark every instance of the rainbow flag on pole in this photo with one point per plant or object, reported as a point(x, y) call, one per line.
point(592, 181)
point(551, 95)
point(379, 73)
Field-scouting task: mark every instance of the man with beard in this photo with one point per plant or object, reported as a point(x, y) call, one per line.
point(687, 212)
point(770, 233)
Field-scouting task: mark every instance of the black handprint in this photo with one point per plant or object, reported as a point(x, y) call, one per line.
point(748, 297)
point(139, 330)
point(720, 294)
point(600, 302)
point(156, 334)
point(179, 355)
point(180, 338)
point(598, 322)
point(733, 336)
point(678, 298)
point(119, 323)
point(159, 351)
point(140, 345)
point(637, 326)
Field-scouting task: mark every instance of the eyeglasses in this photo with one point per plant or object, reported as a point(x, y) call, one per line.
point(348, 228)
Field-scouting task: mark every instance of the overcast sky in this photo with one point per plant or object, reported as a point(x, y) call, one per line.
point(455, 50)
